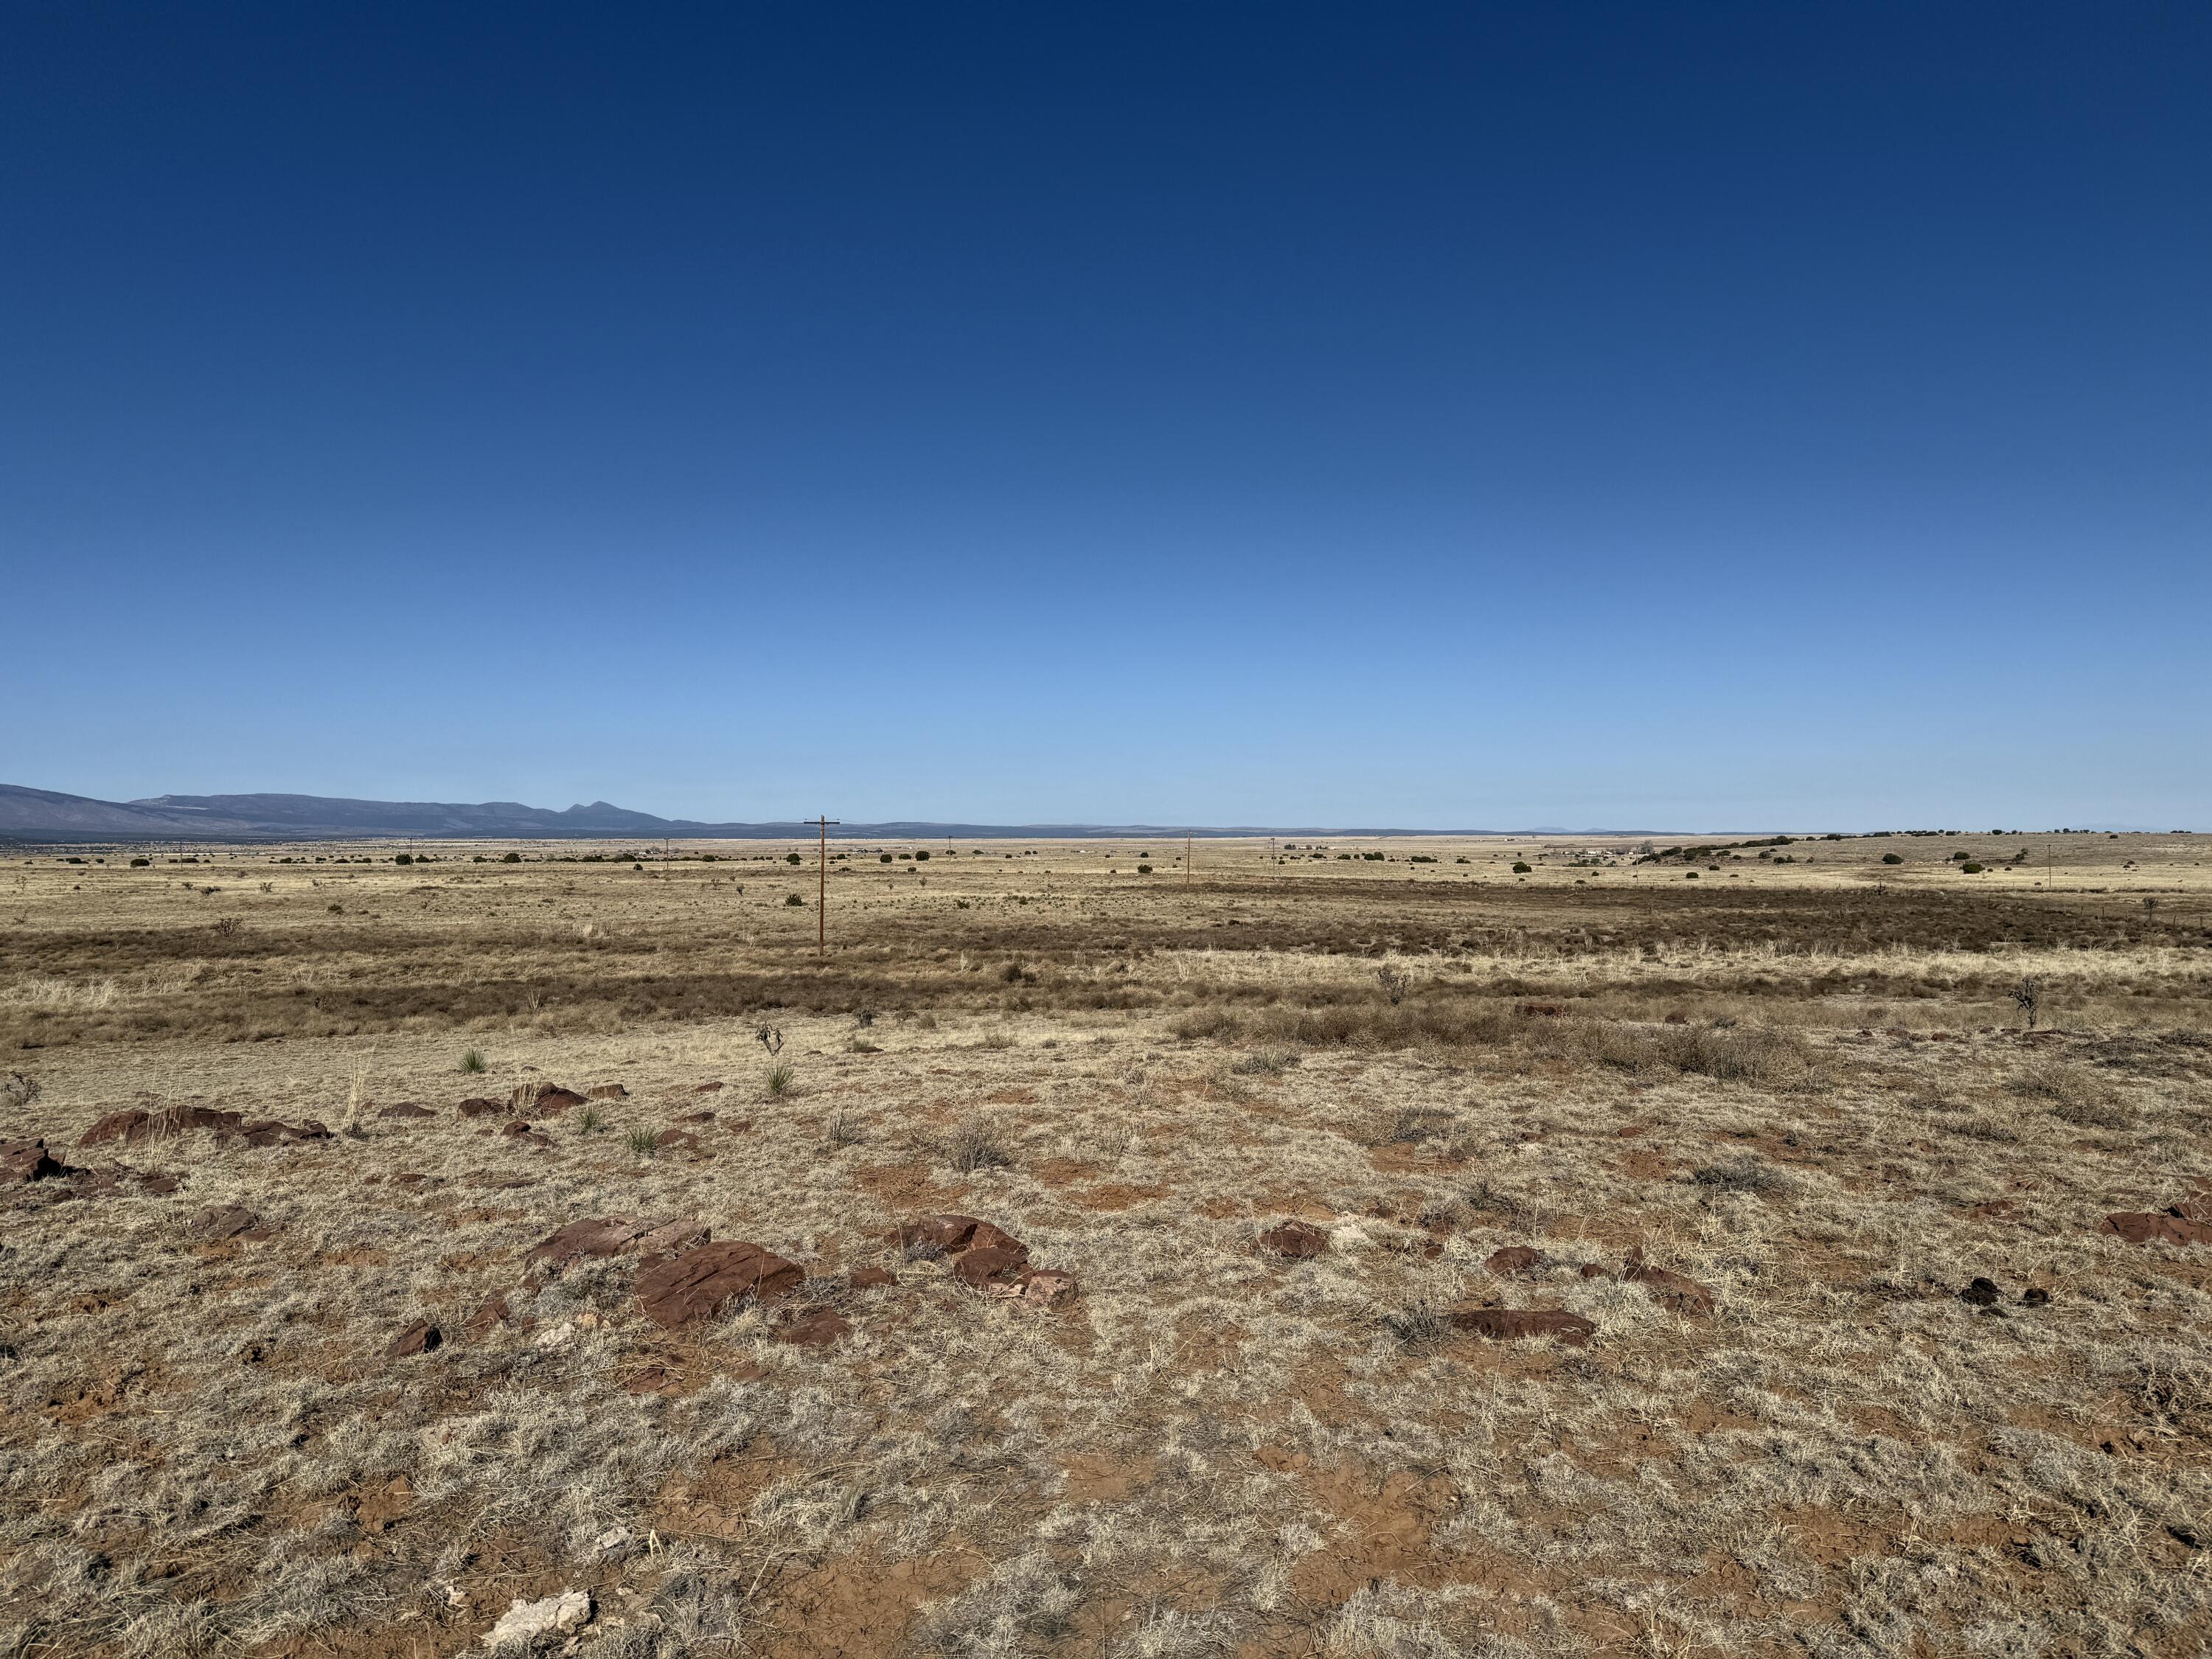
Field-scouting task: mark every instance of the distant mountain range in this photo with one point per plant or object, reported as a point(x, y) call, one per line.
point(44, 816)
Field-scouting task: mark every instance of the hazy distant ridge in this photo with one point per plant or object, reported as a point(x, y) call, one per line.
point(43, 815)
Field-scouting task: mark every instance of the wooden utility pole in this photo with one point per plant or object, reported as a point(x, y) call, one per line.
point(821, 887)
point(1188, 854)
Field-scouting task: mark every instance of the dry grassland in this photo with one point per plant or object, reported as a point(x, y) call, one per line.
point(1804, 1087)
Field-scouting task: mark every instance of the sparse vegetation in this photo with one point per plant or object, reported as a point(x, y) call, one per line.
point(975, 1145)
point(1804, 1089)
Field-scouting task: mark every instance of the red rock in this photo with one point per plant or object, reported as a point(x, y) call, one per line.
point(477, 1106)
point(227, 1222)
point(673, 1238)
point(1514, 1259)
point(1296, 1239)
point(1511, 1324)
point(517, 1130)
point(697, 1117)
point(493, 1312)
point(22, 1162)
point(989, 1265)
point(1591, 1270)
point(116, 1126)
point(134, 1126)
point(677, 1140)
point(947, 1232)
point(651, 1379)
point(2197, 1206)
point(869, 1278)
point(822, 1329)
point(269, 1132)
point(608, 1091)
point(707, 1089)
point(421, 1337)
point(2149, 1228)
point(1669, 1289)
point(701, 1283)
point(989, 1238)
point(552, 1099)
point(160, 1185)
point(602, 1235)
point(407, 1108)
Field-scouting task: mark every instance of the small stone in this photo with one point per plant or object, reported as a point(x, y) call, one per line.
point(1514, 1259)
point(608, 1091)
point(477, 1106)
point(1669, 1289)
point(421, 1337)
point(2035, 1296)
point(869, 1278)
point(1980, 1293)
point(822, 1329)
point(524, 1621)
point(407, 1108)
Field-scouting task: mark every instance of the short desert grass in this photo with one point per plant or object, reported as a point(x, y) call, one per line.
point(203, 1449)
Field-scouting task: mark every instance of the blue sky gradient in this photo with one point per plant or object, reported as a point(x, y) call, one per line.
point(1791, 416)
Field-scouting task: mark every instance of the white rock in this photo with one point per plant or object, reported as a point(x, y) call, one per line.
point(525, 1619)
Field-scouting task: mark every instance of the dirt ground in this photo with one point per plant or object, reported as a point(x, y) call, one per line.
point(1664, 1251)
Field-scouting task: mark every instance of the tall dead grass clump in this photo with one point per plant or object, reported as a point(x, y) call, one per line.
point(1763, 1055)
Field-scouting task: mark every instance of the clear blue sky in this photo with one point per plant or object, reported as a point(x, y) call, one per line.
point(1675, 415)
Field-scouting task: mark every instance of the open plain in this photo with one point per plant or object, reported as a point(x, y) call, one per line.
point(1647, 1252)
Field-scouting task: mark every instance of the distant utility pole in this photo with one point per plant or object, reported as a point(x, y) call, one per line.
point(821, 887)
point(1189, 855)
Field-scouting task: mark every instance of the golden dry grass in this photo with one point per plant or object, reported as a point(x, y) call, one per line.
point(207, 1450)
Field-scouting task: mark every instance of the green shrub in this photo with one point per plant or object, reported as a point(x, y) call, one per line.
point(473, 1060)
point(140, 864)
point(780, 1079)
point(1520, 869)
point(883, 858)
point(643, 1142)
point(1144, 869)
point(793, 898)
point(402, 857)
point(512, 857)
point(791, 858)
point(1892, 857)
point(1971, 868)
